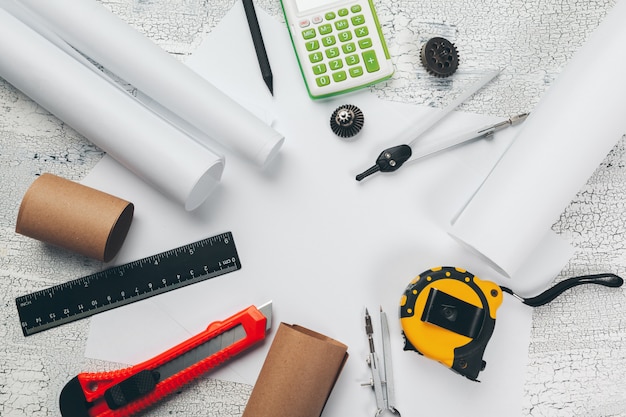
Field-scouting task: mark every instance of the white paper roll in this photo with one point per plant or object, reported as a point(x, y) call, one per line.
point(140, 140)
point(96, 32)
point(571, 131)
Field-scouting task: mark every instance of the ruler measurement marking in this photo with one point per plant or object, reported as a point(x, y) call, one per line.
point(125, 284)
point(105, 307)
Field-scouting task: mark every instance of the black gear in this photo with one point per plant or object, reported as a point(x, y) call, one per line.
point(440, 57)
point(347, 120)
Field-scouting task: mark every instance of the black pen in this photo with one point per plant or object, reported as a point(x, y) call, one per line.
point(259, 46)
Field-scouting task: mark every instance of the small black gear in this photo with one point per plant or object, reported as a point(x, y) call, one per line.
point(347, 120)
point(440, 57)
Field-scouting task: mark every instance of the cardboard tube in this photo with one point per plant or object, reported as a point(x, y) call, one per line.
point(298, 374)
point(73, 216)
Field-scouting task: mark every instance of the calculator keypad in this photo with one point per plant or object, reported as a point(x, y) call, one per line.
point(339, 46)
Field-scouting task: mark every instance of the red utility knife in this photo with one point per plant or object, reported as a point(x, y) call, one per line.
point(128, 391)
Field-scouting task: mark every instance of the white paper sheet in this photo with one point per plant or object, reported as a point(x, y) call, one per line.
point(319, 244)
point(187, 97)
point(143, 142)
point(558, 148)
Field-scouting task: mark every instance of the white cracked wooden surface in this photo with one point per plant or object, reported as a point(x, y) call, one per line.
point(577, 354)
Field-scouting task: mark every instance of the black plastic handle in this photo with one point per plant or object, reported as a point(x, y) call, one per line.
point(608, 280)
point(389, 160)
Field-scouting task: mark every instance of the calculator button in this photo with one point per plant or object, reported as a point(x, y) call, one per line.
point(371, 62)
point(332, 52)
point(342, 24)
point(348, 48)
point(325, 29)
point(329, 40)
point(319, 69)
point(358, 20)
point(356, 71)
point(352, 59)
point(322, 81)
point(316, 57)
point(365, 43)
point(335, 64)
point(339, 76)
point(362, 31)
point(308, 34)
point(312, 45)
point(345, 36)
point(339, 46)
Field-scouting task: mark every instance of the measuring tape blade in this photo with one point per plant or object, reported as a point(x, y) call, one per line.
point(125, 284)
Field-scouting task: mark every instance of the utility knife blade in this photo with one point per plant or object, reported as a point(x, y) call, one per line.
point(128, 391)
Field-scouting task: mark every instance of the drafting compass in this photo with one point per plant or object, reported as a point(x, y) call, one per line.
point(391, 159)
point(382, 374)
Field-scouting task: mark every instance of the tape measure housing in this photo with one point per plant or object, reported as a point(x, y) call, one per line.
point(448, 314)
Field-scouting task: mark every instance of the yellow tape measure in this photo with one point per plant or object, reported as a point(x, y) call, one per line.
point(448, 314)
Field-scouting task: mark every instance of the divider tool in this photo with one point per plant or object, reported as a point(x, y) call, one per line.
point(382, 374)
point(128, 391)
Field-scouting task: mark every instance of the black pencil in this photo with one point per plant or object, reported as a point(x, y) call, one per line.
point(259, 46)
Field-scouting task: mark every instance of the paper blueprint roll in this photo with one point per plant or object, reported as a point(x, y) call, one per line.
point(109, 117)
point(573, 128)
point(99, 34)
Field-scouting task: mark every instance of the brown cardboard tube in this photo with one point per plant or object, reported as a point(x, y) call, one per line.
point(73, 216)
point(298, 374)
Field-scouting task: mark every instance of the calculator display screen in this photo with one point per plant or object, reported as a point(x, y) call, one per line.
point(305, 6)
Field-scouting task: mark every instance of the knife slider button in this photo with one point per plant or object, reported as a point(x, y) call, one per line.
point(131, 389)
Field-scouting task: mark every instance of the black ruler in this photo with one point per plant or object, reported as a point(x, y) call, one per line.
point(125, 284)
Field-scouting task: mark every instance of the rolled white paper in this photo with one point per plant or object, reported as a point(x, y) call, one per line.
point(133, 135)
point(102, 36)
point(567, 136)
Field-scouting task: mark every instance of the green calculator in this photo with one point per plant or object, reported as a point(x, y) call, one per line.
point(339, 44)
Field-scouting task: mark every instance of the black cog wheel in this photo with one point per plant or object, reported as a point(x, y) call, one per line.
point(440, 57)
point(347, 120)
